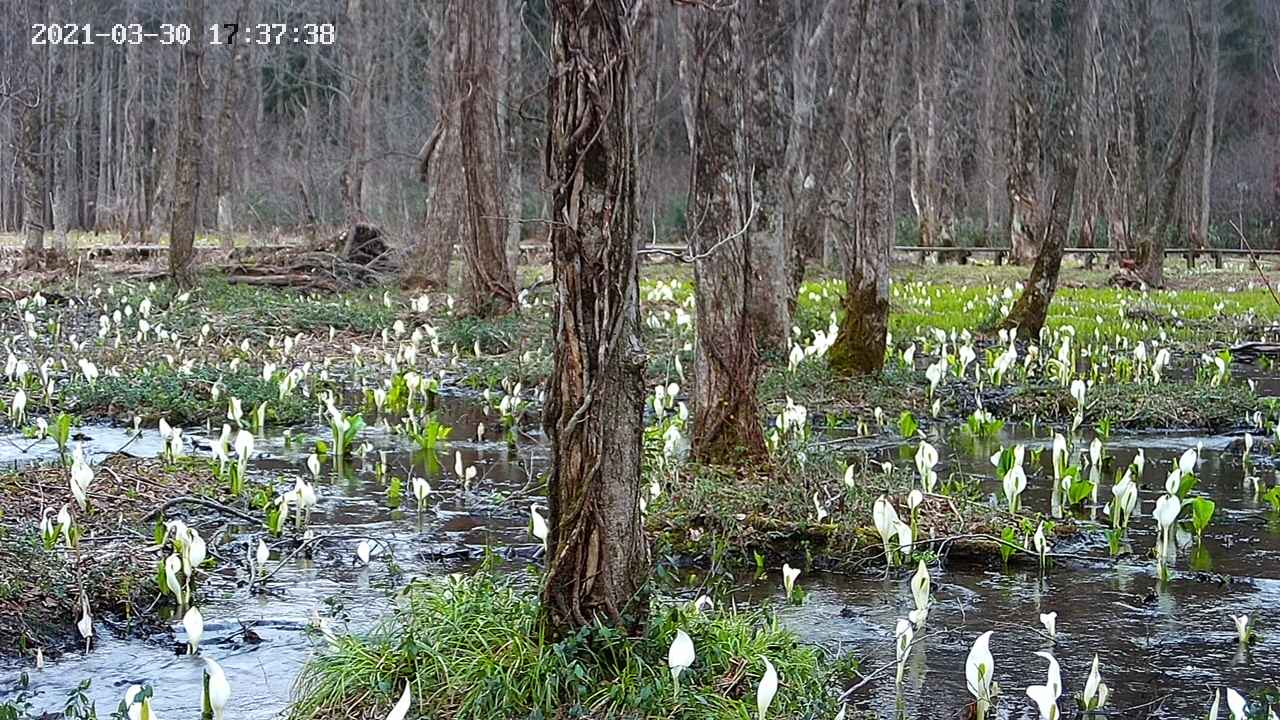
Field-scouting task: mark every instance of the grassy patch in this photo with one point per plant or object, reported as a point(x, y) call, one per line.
point(728, 520)
point(470, 648)
point(184, 399)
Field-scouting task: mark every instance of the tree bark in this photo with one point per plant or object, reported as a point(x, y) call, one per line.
point(28, 104)
point(929, 24)
point(1150, 256)
point(186, 171)
point(597, 554)
point(723, 196)
point(490, 288)
point(1023, 182)
point(1210, 108)
point(994, 102)
point(358, 48)
point(866, 235)
point(426, 265)
point(226, 137)
point(1032, 307)
point(803, 217)
point(764, 44)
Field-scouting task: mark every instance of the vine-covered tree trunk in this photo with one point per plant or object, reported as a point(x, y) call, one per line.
point(597, 555)
point(1067, 122)
point(490, 289)
point(726, 424)
point(186, 171)
point(866, 233)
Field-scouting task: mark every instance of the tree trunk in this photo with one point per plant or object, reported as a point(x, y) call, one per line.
point(186, 171)
point(511, 89)
point(929, 23)
point(426, 265)
point(1066, 123)
point(994, 102)
point(1210, 107)
point(726, 424)
point(765, 44)
point(359, 78)
point(597, 554)
point(28, 105)
point(226, 137)
point(866, 235)
point(1150, 257)
point(490, 288)
point(1023, 181)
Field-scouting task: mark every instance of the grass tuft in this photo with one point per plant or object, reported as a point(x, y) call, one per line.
point(470, 646)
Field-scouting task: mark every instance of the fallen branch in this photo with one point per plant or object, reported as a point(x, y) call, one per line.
point(202, 502)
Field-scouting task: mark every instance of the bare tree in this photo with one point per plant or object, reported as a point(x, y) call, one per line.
point(1212, 33)
point(1149, 257)
point(866, 225)
point(597, 556)
point(357, 82)
point(1065, 123)
point(186, 172)
point(724, 199)
point(232, 90)
point(426, 263)
point(930, 22)
point(765, 49)
point(490, 288)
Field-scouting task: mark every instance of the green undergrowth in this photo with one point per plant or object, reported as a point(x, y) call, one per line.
point(286, 309)
point(1169, 405)
point(184, 399)
point(470, 647)
point(730, 519)
point(838, 401)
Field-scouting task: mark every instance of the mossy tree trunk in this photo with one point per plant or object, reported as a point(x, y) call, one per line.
point(186, 170)
point(1068, 125)
point(597, 554)
point(490, 288)
point(723, 197)
point(866, 225)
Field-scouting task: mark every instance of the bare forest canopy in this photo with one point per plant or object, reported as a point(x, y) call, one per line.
point(302, 127)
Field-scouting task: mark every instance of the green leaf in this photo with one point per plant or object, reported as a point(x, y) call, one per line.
point(907, 425)
point(1201, 513)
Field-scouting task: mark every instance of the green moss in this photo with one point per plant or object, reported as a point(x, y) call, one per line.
point(470, 647)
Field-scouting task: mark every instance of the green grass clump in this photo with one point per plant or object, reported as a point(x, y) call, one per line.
point(184, 399)
point(471, 648)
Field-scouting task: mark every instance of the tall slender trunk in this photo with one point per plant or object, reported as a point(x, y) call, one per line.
point(722, 195)
point(764, 44)
point(929, 24)
point(866, 235)
point(427, 260)
point(226, 137)
point(1210, 106)
point(510, 69)
point(1066, 123)
point(1150, 256)
point(359, 79)
point(186, 172)
point(597, 555)
point(994, 101)
point(803, 220)
point(490, 288)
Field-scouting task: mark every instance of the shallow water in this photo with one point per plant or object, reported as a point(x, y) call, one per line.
point(1175, 641)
